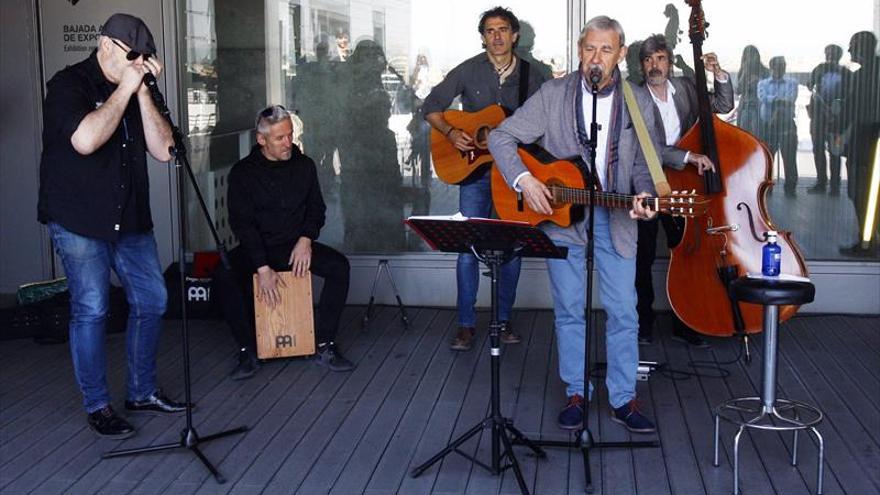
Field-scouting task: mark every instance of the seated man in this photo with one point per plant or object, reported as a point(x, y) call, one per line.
point(276, 210)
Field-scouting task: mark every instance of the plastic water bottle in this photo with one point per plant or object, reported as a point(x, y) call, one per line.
point(771, 255)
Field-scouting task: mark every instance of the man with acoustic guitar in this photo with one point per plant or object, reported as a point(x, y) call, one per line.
point(495, 77)
point(559, 116)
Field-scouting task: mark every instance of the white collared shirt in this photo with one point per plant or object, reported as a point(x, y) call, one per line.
point(671, 122)
point(603, 118)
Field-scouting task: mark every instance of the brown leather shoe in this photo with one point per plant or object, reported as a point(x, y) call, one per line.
point(463, 340)
point(507, 335)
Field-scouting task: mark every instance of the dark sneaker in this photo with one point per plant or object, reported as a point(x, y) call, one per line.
point(330, 357)
point(155, 405)
point(572, 415)
point(689, 337)
point(817, 189)
point(463, 340)
point(247, 365)
point(507, 335)
point(629, 416)
point(105, 423)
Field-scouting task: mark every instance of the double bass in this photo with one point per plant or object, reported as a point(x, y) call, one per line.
point(726, 242)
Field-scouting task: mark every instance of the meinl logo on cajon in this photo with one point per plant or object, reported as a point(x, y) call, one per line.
point(288, 329)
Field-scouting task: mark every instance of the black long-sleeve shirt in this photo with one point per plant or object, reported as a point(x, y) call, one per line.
point(274, 203)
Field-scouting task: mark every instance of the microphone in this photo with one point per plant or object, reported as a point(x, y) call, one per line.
point(158, 99)
point(595, 74)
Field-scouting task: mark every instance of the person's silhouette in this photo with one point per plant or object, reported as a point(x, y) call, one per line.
point(828, 82)
point(863, 120)
point(751, 70)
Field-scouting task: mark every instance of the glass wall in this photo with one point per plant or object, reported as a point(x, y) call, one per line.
point(356, 72)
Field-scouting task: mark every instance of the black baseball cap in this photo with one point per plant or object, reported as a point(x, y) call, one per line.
point(130, 30)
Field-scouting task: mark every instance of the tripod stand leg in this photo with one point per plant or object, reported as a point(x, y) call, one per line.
point(585, 441)
point(520, 439)
point(418, 470)
point(508, 451)
point(217, 476)
point(240, 429)
point(369, 313)
point(397, 296)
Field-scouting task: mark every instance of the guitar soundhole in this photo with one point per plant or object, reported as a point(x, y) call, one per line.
point(481, 137)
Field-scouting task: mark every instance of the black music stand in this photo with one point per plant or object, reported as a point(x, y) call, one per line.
point(493, 242)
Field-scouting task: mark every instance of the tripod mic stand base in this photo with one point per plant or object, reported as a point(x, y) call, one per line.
point(500, 427)
point(189, 439)
point(584, 441)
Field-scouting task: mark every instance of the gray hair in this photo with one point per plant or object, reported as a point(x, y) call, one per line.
point(602, 23)
point(653, 44)
point(270, 116)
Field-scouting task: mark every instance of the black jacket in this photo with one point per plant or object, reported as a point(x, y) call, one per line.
point(274, 203)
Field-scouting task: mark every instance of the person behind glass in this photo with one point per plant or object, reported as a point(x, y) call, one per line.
point(557, 115)
point(492, 77)
point(675, 110)
point(99, 123)
point(748, 111)
point(276, 211)
point(863, 130)
point(828, 82)
point(777, 95)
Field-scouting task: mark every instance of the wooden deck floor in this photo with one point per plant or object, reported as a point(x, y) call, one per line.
point(313, 431)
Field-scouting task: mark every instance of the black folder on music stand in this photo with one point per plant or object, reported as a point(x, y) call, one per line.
point(493, 242)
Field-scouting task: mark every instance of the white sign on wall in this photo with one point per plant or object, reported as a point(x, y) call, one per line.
point(70, 28)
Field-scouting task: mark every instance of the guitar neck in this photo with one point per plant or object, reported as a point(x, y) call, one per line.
point(576, 196)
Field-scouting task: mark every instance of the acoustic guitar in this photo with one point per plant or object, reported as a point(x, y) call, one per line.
point(567, 185)
point(453, 165)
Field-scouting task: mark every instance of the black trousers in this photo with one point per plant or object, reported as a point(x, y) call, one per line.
point(234, 290)
point(646, 252)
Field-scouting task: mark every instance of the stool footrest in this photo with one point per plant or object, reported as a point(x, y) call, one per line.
point(785, 415)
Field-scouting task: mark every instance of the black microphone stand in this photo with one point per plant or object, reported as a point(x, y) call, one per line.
point(584, 438)
point(189, 439)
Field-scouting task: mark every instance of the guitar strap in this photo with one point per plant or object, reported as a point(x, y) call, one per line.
point(657, 175)
point(523, 81)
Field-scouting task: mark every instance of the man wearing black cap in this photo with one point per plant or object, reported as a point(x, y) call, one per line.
point(98, 124)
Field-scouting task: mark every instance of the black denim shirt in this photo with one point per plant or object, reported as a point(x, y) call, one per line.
point(274, 203)
point(107, 192)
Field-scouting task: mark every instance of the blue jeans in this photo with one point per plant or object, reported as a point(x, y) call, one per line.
point(617, 294)
point(87, 263)
point(475, 200)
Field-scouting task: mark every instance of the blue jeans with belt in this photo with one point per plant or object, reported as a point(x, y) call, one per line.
point(87, 264)
point(475, 200)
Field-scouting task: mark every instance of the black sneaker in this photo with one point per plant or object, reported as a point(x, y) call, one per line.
point(689, 337)
point(105, 423)
point(247, 365)
point(155, 405)
point(330, 357)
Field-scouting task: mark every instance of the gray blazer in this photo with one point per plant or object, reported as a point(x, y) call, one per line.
point(549, 117)
point(687, 107)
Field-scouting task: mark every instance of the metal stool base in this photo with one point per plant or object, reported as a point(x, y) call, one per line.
point(751, 412)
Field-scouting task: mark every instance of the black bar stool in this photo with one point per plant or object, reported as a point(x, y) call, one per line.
point(768, 412)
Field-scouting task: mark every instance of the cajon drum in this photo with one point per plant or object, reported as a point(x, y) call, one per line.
point(288, 329)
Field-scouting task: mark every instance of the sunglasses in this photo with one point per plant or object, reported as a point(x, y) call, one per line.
point(130, 54)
